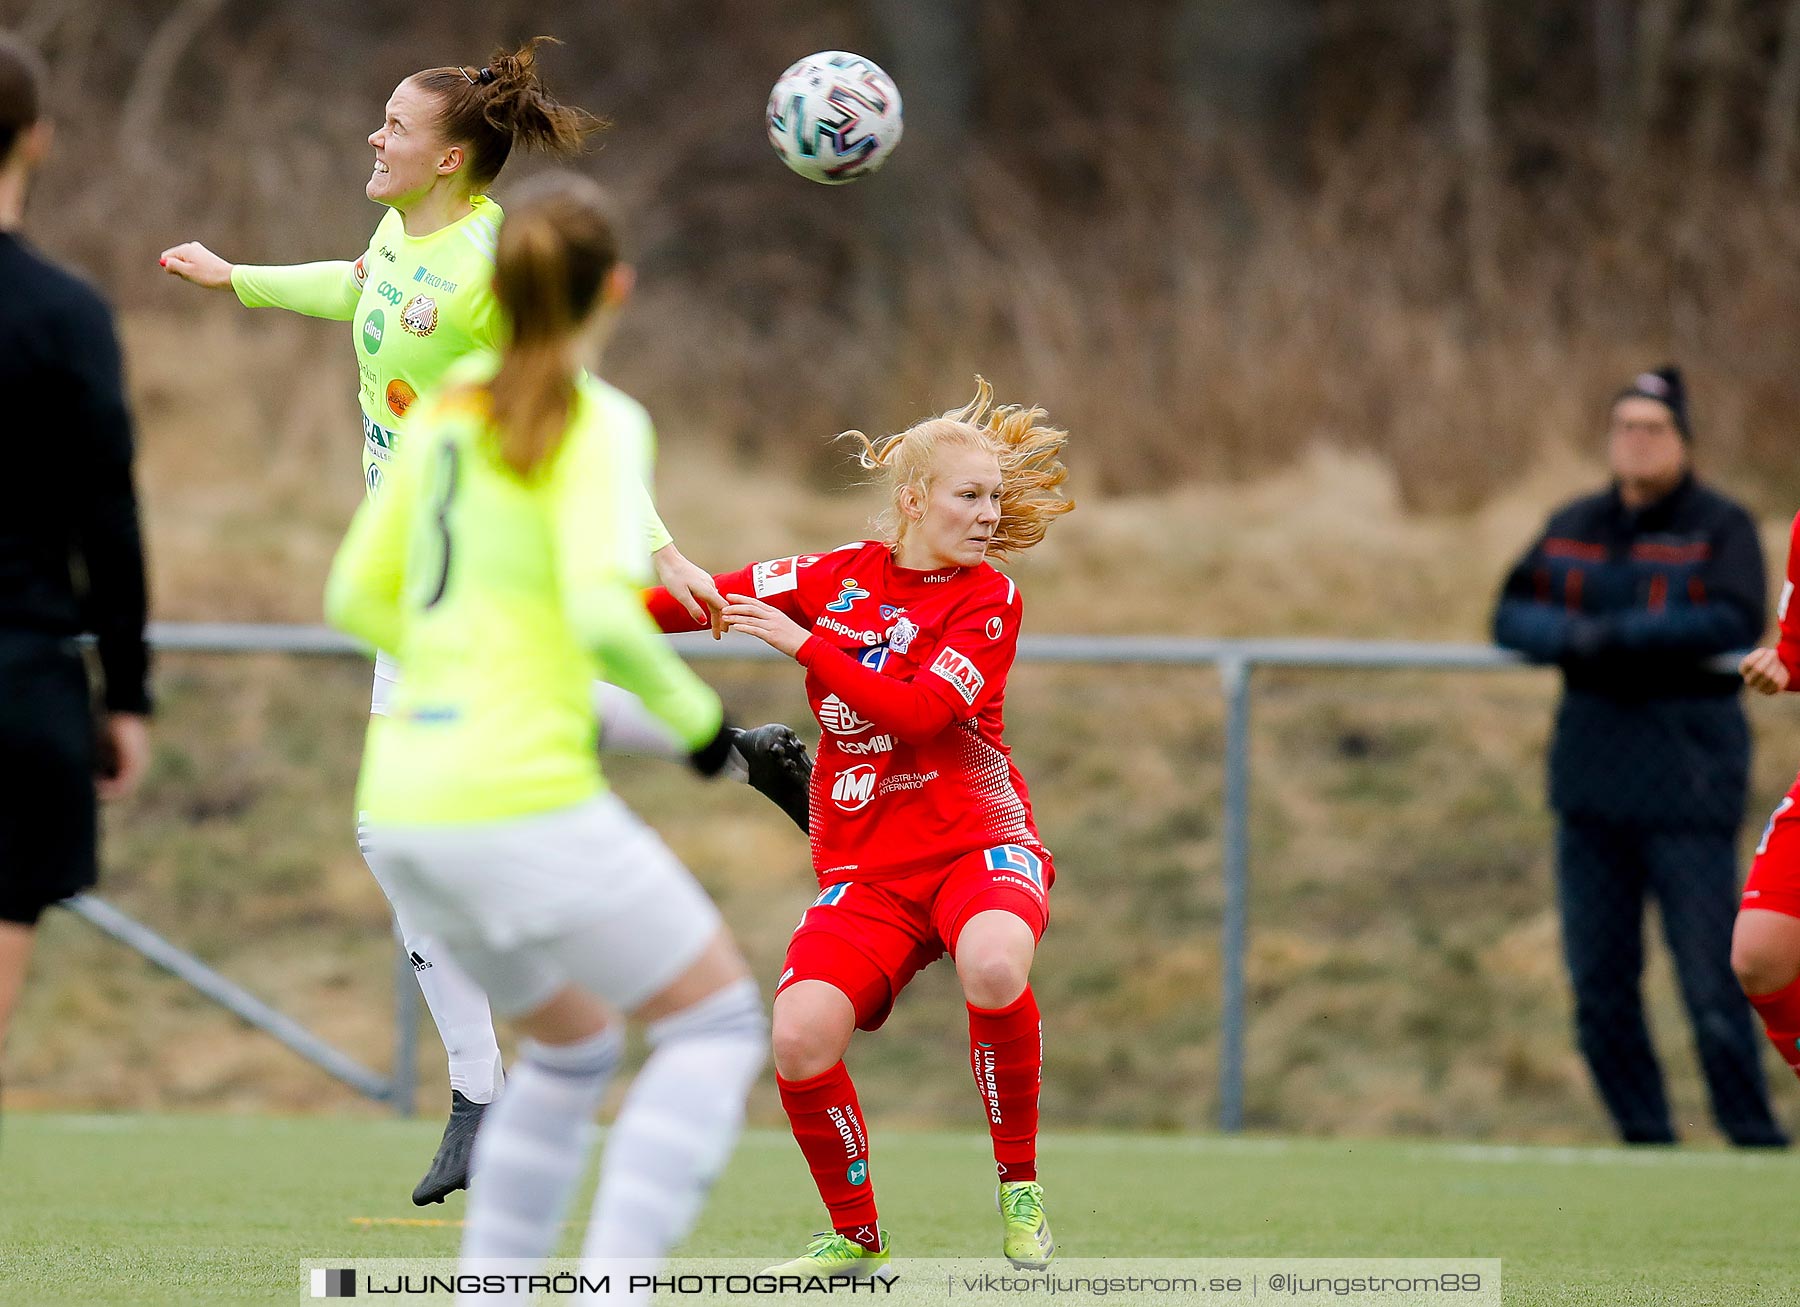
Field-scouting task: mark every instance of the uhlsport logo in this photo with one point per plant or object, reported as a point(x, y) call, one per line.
point(854, 788)
point(373, 326)
point(334, 1284)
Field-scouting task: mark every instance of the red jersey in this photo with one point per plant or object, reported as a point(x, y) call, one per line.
point(1785, 615)
point(906, 672)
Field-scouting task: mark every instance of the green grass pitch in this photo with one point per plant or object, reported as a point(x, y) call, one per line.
point(184, 1209)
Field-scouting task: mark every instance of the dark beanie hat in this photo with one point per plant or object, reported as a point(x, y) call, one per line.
point(1665, 387)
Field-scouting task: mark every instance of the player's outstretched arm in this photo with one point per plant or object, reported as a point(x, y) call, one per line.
point(318, 290)
point(192, 261)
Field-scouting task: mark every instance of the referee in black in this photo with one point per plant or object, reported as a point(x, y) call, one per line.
point(70, 558)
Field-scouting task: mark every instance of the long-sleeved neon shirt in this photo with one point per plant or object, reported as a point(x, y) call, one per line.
point(419, 304)
point(503, 598)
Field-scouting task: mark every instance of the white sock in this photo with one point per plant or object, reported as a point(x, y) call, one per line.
point(678, 1125)
point(531, 1148)
point(464, 1023)
point(458, 1007)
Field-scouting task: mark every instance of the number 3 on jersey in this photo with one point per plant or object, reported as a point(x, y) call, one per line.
point(443, 494)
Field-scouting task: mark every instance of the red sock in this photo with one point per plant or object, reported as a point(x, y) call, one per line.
point(1006, 1053)
point(1780, 1013)
point(828, 1125)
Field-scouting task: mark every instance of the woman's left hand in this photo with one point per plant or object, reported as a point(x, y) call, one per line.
point(766, 622)
point(690, 586)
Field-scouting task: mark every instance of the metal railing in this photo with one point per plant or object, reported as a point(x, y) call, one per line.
point(1235, 660)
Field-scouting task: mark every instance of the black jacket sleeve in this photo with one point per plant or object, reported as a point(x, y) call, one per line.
point(1733, 616)
point(1542, 629)
point(108, 543)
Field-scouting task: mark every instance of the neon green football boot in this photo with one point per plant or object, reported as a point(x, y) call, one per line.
point(830, 1256)
point(1028, 1243)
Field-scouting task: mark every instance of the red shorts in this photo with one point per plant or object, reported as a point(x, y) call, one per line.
point(869, 938)
point(1774, 883)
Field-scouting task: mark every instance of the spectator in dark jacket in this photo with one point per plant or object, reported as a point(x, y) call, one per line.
point(70, 559)
point(1630, 592)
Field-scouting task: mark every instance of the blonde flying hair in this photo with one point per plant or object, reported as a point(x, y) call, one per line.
point(557, 247)
point(1027, 447)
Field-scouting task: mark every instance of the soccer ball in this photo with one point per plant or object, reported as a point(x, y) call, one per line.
point(834, 117)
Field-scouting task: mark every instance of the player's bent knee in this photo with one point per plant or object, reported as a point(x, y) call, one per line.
point(1765, 952)
point(1761, 969)
point(993, 980)
point(811, 1030)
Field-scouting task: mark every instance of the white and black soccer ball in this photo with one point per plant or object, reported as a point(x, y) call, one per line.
point(834, 117)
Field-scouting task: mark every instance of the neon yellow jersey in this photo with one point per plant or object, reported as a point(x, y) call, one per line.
point(503, 599)
point(418, 304)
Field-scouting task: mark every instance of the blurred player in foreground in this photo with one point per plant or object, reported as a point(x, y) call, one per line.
point(422, 297)
point(922, 834)
point(70, 558)
point(500, 566)
point(1765, 943)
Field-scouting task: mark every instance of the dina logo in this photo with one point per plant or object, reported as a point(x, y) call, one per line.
point(373, 326)
point(858, 1172)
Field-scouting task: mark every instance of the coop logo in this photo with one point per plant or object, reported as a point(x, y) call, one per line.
point(390, 292)
point(334, 1284)
point(960, 672)
point(840, 718)
point(420, 316)
point(854, 789)
point(851, 593)
point(373, 326)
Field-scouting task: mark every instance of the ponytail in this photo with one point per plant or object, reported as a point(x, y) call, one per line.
point(557, 246)
point(490, 110)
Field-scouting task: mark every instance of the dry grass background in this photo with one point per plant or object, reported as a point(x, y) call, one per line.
point(1298, 408)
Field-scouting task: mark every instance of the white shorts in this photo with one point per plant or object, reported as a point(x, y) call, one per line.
point(588, 896)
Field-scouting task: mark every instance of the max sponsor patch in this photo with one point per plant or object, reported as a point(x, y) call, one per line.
point(960, 672)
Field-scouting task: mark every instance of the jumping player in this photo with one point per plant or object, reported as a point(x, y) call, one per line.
point(421, 298)
point(922, 833)
point(499, 566)
point(1765, 943)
